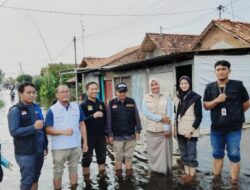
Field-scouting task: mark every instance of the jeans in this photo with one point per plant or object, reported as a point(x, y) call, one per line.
point(229, 141)
point(188, 152)
point(39, 165)
point(27, 165)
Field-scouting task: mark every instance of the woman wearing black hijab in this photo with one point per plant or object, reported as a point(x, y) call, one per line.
point(188, 110)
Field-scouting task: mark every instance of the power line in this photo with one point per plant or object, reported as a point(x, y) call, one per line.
point(66, 48)
point(235, 16)
point(3, 3)
point(105, 15)
point(41, 36)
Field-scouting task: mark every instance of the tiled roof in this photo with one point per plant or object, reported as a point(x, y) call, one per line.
point(126, 54)
point(236, 28)
point(168, 43)
point(91, 61)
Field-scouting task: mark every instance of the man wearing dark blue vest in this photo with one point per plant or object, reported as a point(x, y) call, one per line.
point(123, 128)
point(26, 127)
point(227, 100)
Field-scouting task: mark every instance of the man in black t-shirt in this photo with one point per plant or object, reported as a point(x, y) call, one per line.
point(95, 121)
point(227, 100)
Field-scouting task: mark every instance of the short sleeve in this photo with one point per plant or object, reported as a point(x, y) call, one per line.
point(49, 120)
point(207, 94)
point(244, 94)
point(82, 115)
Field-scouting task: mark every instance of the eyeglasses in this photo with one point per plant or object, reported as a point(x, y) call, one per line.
point(64, 92)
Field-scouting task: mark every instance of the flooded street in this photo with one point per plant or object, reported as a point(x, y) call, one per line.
point(141, 179)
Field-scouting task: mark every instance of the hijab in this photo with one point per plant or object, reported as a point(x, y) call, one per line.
point(187, 98)
point(150, 82)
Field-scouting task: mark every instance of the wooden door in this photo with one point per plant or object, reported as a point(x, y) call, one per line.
point(108, 91)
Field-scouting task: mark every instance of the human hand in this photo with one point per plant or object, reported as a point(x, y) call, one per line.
point(46, 151)
point(111, 140)
point(137, 136)
point(189, 135)
point(85, 147)
point(167, 134)
point(68, 132)
point(98, 114)
point(221, 98)
point(165, 120)
point(38, 124)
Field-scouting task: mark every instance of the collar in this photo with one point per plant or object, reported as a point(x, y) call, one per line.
point(60, 106)
point(96, 100)
point(117, 100)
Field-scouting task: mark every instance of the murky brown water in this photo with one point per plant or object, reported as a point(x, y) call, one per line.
point(141, 179)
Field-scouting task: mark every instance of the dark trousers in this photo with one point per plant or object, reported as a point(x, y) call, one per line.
point(188, 151)
point(1, 173)
point(97, 143)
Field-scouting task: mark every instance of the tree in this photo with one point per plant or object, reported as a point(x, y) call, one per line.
point(24, 78)
point(2, 74)
point(47, 89)
point(38, 81)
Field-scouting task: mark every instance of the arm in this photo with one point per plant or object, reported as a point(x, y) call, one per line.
point(212, 104)
point(246, 105)
point(169, 114)
point(138, 126)
point(245, 99)
point(148, 114)
point(108, 129)
point(198, 114)
point(14, 125)
point(208, 102)
point(49, 122)
point(6, 163)
point(84, 136)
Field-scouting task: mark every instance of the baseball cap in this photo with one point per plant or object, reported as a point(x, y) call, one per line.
point(122, 87)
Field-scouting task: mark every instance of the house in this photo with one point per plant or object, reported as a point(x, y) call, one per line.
point(222, 34)
point(198, 64)
point(155, 45)
point(169, 56)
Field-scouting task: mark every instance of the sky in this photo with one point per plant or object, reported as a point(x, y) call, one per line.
point(35, 33)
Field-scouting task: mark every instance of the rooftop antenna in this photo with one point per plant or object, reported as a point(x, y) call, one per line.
point(221, 9)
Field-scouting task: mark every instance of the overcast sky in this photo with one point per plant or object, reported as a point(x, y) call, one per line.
point(30, 35)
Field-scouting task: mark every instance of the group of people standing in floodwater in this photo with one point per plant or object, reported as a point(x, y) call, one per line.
point(78, 130)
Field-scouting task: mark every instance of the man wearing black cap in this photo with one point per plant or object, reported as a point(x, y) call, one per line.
point(123, 127)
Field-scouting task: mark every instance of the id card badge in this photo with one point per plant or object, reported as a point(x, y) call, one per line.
point(223, 111)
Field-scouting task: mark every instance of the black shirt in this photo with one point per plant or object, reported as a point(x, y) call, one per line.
point(236, 96)
point(95, 126)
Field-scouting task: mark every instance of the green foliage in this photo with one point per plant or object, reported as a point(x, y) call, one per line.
point(54, 70)
point(23, 78)
point(50, 79)
point(1, 104)
point(2, 74)
point(47, 89)
point(38, 81)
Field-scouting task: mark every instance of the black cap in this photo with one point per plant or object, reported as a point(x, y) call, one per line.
point(122, 87)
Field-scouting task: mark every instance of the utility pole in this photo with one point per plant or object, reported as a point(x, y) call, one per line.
point(83, 48)
point(221, 9)
point(161, 29)
point(21, 68)
point(76, 82)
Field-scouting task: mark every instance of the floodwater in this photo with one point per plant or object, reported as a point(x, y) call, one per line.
point(142, 178)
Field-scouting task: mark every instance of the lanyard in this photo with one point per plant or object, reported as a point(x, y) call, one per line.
point(224, 89)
